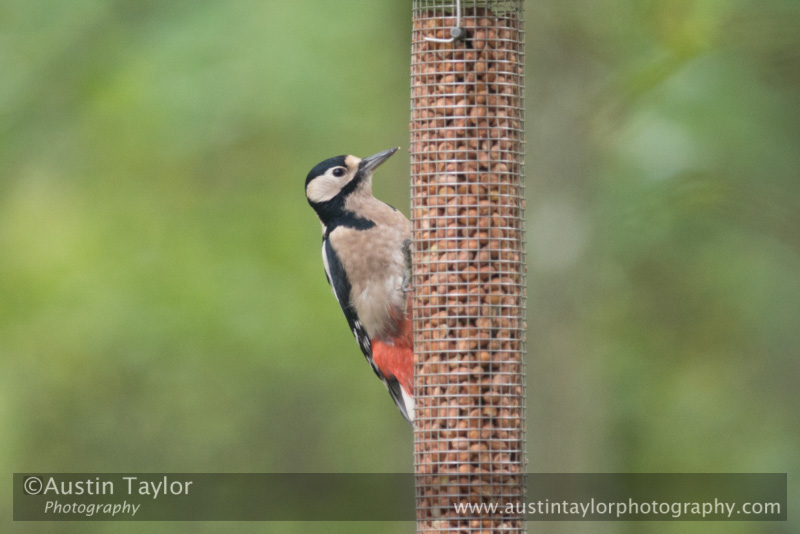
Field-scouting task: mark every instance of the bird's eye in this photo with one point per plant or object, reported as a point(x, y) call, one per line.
point(339, 172)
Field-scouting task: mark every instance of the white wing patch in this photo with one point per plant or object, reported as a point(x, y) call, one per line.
point(328, 270)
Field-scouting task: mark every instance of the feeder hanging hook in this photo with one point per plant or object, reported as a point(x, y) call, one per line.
point(456, 32)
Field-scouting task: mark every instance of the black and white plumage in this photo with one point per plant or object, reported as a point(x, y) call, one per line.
point(363, 242)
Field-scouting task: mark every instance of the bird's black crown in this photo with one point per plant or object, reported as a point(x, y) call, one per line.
point(321, 167)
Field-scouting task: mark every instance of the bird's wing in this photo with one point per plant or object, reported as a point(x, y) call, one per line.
point(337, 278)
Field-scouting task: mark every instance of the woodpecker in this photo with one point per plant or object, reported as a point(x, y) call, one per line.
point(365, 252)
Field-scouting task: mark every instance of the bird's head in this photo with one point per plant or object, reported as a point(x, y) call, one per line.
point(331, 182)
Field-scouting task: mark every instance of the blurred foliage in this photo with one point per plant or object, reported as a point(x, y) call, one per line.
point(162, 301)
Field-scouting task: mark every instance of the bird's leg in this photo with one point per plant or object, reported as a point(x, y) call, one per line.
point(406, 287)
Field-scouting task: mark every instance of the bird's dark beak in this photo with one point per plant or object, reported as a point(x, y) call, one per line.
point(371, 163)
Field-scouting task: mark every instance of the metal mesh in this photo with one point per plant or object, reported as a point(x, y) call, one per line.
point(467, 200)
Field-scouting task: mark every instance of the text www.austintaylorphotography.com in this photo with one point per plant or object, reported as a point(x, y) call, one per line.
point(631, 509)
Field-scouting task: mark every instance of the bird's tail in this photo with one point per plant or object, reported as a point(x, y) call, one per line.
point(396, 364)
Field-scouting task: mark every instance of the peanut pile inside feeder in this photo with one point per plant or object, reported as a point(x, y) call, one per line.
point(469, 265)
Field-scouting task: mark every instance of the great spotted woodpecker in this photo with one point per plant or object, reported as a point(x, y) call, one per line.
point(365, 251)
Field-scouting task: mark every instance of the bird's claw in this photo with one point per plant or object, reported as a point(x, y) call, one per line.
point(406, 287)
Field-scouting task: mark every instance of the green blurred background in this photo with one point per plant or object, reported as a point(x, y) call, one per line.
point(162, 300)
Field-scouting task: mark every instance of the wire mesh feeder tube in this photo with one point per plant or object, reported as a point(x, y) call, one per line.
point(467, 199)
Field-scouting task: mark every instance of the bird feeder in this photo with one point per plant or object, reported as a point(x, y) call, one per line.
point(468, 275)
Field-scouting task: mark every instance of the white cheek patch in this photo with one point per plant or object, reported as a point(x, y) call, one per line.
point(324, 188)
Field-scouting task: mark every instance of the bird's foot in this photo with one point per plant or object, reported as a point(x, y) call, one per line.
point(406, 287)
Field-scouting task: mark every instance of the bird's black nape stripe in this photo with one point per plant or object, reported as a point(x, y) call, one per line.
point(348, 219)
point(333, 213)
